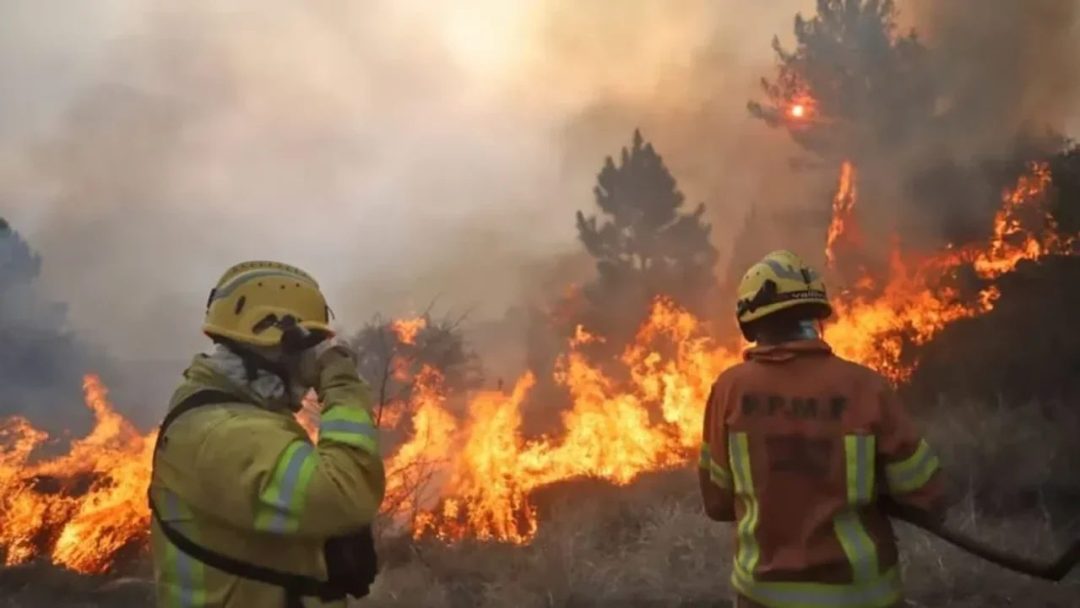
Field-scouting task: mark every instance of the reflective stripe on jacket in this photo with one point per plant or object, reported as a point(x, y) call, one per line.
point(247, 482)
point(797, 445)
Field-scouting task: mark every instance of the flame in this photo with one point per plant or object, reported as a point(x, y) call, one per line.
point(470, 472)
point(80, 508)
point(412, 471)
point(490, 497)
point(797, 110)
point(843, 216)
point(1012, 242)
point(407, 330)
point(618, 430)
point(872, 325)
point(611, 432)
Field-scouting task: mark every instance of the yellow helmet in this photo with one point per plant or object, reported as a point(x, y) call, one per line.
point(253, 303)
point(781, 280)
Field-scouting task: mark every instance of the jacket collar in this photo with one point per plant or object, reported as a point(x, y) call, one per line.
point(204, 373)
point(785, 351)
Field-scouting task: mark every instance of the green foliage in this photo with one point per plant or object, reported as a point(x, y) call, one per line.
point(643, 242)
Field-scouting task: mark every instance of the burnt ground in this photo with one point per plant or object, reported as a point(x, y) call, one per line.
point(41, 585)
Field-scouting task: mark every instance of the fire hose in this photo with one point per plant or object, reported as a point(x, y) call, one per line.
point(1054, 570)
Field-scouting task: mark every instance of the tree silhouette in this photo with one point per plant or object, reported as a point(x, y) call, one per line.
point(643, 242)
point(40, 358)
point(851, 82)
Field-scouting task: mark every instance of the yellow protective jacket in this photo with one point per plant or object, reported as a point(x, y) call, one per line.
point(245, 481)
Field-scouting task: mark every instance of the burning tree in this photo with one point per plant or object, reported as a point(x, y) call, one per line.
point(1023, 349)
point(393, 353)
point(469, 471)
point(644, 244)
point(852, 81)
point(881, 109)
point(860, 96)
point(856, 89)
point(411, 363)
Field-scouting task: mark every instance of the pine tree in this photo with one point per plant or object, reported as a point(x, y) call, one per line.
point(856, 81)
point(643, 242)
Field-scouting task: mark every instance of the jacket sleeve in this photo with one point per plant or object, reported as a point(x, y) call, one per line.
point(911, 471)
point(264, 473)
point(714, 473)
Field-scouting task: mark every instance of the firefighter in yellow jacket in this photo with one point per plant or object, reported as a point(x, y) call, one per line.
point(247, 511)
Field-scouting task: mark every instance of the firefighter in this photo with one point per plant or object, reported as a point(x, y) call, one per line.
point(247, 511)
point(804, 450)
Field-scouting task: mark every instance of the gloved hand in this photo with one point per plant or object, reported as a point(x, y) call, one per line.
point(330, 368)
point(351, 562)
point(328, 357)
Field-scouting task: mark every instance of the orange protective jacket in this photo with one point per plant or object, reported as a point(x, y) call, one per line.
point(798, 447)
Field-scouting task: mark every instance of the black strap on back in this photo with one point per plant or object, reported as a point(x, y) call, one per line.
point(295, 585)
point(197, 399)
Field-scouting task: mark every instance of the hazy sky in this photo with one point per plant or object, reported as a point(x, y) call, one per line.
point(400, 150)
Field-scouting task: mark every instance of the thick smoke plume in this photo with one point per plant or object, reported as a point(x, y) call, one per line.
point(406, 150)
point(40, 358)
point(402, 151)
point(1008, 89)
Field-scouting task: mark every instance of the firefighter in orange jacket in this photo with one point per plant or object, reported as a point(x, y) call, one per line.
point(801, 447)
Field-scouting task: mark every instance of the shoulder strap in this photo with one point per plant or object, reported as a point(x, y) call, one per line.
point(194, 400)
point(294, 584)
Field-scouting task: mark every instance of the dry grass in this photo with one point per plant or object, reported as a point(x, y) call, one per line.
point(648, 544)
point(1013, 471)
point(647, 548)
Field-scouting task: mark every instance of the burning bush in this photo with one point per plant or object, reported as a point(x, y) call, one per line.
point(471, 475)
point(81, 508)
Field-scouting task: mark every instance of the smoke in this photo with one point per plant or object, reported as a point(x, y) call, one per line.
point(404, 151)
point(1011, 65)
point(400, 151)
point(1008, 89)
point(937, 123)
point(40, 356)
